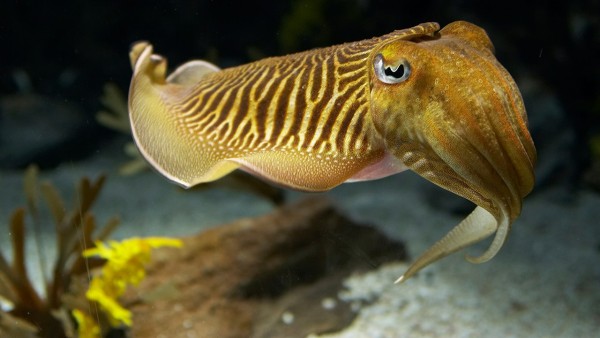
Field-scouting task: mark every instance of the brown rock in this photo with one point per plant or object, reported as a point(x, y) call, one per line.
point(259, 277)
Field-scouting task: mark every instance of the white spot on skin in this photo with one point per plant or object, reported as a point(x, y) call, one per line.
point(419, 163)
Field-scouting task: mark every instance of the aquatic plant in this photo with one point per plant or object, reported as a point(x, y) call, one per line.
point(115, 116)
point(305, 18)
point(125, 266)
point(25, 311)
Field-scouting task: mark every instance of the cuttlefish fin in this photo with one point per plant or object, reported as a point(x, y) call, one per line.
point(191, 72)
point(157, 126)
point(187, 74)
point(479, 225)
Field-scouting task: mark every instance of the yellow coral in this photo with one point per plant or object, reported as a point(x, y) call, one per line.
point(86, 325)
point(124, 266)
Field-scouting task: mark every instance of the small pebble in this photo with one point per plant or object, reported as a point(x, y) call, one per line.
point(287, 318)
point(6, 305)
point(328, 303)
point(188, 324)
point(355, 306)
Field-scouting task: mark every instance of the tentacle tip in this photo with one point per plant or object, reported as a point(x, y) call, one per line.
point(409, 273)
point(477, 259)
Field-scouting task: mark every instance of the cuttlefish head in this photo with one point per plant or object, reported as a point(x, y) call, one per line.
point(448, 110)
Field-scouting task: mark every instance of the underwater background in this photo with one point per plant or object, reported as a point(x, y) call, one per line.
point(65, 71)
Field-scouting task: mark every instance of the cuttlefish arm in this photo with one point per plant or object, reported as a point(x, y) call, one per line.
point(479, 225)
point(433, 101)
point(459, 122)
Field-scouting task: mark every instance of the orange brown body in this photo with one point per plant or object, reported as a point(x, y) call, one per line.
point(433, 101)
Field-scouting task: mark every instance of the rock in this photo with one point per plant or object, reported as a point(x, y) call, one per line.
point(273, 276)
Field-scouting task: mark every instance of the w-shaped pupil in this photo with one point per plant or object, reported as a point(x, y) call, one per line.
point(398, 73)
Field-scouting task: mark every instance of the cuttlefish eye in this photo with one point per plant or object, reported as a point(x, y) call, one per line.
point(391, 74)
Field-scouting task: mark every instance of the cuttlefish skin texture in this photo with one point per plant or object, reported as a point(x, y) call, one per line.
point(433, 101)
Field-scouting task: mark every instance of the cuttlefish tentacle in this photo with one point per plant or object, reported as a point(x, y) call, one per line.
point(479, 225)
point(433, 101)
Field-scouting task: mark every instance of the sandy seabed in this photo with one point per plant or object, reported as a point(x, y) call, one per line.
point(545, 282)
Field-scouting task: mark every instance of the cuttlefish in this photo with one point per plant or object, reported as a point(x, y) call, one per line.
point(435, 101)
